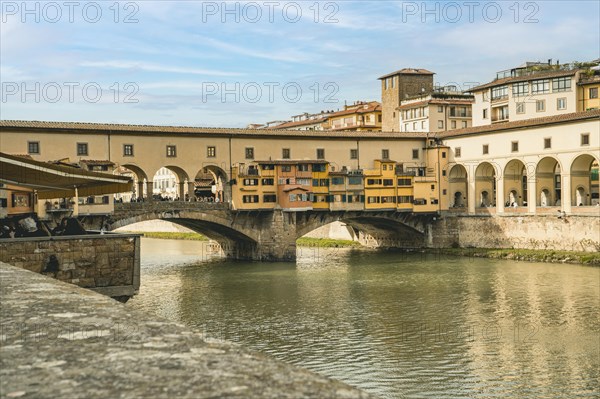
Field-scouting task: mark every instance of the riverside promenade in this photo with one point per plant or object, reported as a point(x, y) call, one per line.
point(58, 340)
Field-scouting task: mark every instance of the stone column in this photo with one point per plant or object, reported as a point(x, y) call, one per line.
point(181, 193)
point(149, 191)
point(471, 195)
point(140, 189)
point(500, 195)
point(531, 194)
point(565, 192)
point(191, 188)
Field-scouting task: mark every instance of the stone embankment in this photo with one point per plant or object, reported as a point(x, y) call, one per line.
point(61, 341)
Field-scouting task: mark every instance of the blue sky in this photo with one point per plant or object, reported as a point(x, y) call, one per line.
point(230, 64)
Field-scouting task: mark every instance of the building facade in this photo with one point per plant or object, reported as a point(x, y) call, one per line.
point(398, 86)
point(435, 112)
point(534, 90)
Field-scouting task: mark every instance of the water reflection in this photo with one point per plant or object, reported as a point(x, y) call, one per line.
point(393, 324)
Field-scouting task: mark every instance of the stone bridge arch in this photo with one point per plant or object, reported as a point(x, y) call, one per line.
point(236, 240)
point(381, 229)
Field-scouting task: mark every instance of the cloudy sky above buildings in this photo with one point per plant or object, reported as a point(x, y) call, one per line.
point(230, 64)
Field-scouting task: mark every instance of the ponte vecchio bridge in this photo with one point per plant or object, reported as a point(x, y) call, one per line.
point(432, 174)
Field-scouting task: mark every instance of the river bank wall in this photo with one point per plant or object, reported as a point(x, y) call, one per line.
point(539, 232)
point(62, 341)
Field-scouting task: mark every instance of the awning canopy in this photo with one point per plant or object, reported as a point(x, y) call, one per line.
point(54, 181)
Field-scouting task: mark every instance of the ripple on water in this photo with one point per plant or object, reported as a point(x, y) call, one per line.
point(392, 324)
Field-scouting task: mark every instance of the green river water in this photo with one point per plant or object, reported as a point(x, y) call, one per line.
point(395, 325)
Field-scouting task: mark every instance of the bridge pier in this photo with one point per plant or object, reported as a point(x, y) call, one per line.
point(276, 238)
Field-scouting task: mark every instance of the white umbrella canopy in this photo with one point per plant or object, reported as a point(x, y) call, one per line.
point(55, 181)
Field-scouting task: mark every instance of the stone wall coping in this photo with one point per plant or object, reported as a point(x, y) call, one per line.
point(94, 235)
point(62, 341)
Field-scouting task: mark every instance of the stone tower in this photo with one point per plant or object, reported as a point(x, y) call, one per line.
point(397, 86)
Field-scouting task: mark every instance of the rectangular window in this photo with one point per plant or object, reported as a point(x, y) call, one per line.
point(388, 182)
point(268, 181)
point(303, 167)
point(440, 109)
point(485, 113)
point(353, 181)
point(269, 198)
point(593, 92)
point(211, 151)
point(547, 143)
point(443, 154)
point(585, 139)
point(372, 182)
point(540, 86)
point(285, 153)
point(286, 168)
point(128, 150)
point(171, 151)
point(404, 182)
point(405, 199)
point(320, 153)
point(82, 148)
point(415, 153)
point(33, 147)
point(250, 199)
point(453, 124)
point(353, 153)
point(249, 152)
point(457, 152)
point(423, 125)
point(385, 154)
point(337, 181)
point(561, 84)
point(520, 89)
point(440, 124)
point(520, 108)
point(485, 149)
point(561, 103)
point(500, 92)
point(250, 182)
point(319, 167)
point(464, 124)
point(540, 105)
point(514, 146)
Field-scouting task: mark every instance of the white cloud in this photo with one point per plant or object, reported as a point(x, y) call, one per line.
point(151, 67)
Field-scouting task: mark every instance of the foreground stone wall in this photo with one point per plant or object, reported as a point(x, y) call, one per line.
point(572, 233)
point(107, 263)
point(61, 341)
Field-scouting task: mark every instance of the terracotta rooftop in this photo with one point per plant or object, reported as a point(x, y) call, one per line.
point(300, 123)
point(359, 109)
point(534, 122)
point(408, 71)
point(516, 79)
point(153, 130)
